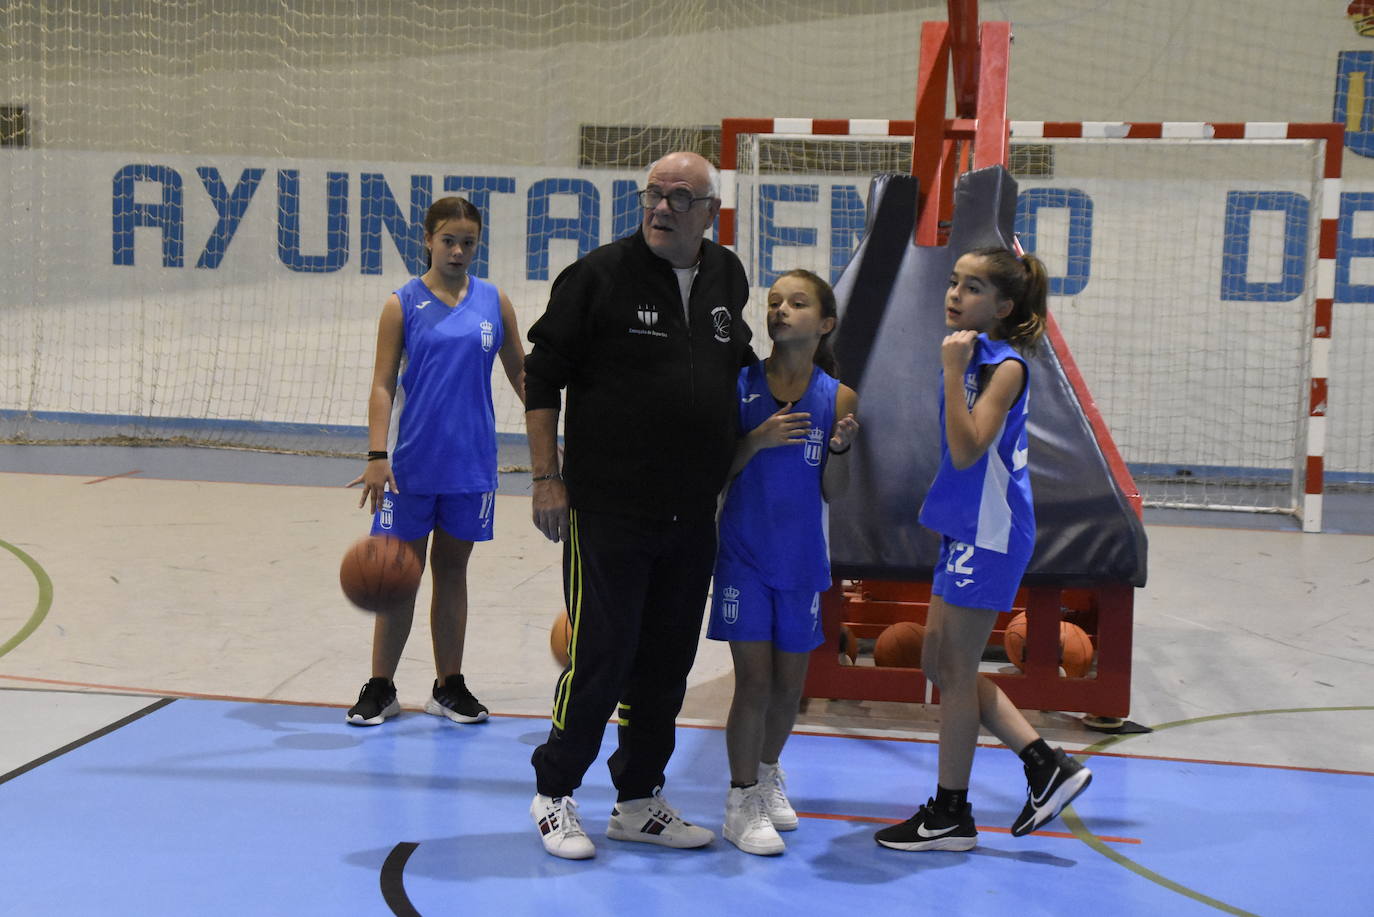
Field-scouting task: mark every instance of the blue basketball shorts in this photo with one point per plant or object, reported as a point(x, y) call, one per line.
point(976, 577)
point(744, 608)
point(467, 517)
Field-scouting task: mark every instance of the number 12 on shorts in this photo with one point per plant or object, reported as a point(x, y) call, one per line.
point(959, 554)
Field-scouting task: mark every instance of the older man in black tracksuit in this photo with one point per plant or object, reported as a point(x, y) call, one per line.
point(647, 336)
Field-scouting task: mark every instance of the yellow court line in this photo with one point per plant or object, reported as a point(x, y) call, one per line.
point(40, 610)
point(1080, 830)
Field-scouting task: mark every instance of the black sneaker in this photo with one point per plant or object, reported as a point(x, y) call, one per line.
point(1048, 795)
point(453, 700)
point(931, 830)
point(376, 702)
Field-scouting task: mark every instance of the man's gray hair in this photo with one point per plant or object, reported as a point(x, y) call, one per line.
point(712, 176)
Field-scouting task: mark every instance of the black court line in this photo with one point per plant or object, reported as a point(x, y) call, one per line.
point(70, 746)
point(393, 880)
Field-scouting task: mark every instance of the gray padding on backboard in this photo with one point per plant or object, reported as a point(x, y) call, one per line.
point(891, 306)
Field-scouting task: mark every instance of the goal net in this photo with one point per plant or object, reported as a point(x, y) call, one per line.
point(1185, 274)
point(206, 203)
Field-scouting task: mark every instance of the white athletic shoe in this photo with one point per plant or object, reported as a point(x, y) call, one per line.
point(747, 825)
point(560, 828)
point(652, 820)
point(773, 781)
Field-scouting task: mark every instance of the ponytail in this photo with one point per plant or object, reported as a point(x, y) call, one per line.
point(1026, 282)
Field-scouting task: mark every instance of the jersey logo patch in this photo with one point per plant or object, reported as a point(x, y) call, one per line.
point(720, 324)
point(814, 450)
point(488, 337)
point(729, 605)
point(648, 315)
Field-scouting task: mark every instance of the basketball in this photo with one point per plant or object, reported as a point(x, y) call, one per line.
point(900, 645)
point(379, 572)
point(1075, 647)
point(560, 638)
point(1014, 640)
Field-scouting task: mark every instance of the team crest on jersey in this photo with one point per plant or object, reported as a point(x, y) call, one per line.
point(384, 515)
point(648, 315)
point(814, 450)
point(729, 605)
point(488, 335)
point(720, 324)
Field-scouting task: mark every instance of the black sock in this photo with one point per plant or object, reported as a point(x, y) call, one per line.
point(743, 786)
point(1037, 755)
point(950, 802)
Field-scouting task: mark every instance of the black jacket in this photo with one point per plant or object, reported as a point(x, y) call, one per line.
point(652, 417)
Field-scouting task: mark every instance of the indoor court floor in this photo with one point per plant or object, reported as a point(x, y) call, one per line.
point(175, 660)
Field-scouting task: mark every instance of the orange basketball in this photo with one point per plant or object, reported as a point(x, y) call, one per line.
point(1075, 647)
point(1014, 640)
point(900, 645)
point(379, 572)
point(560, 638)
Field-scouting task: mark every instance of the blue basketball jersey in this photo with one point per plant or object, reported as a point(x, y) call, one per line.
point(988, 504)
point(443, 425)
point(775, 519)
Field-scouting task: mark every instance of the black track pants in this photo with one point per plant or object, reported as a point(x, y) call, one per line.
point(636, 592)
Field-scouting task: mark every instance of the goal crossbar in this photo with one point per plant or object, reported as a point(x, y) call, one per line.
point(1321, 283)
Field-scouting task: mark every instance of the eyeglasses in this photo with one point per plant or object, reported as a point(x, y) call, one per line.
point(680, 200)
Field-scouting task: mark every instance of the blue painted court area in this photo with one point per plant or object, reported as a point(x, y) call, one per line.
point(207, 807)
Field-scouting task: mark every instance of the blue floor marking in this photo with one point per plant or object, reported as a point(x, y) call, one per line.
point(212, 807)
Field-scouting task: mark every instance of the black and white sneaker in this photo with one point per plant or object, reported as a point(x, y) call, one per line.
point(453, 700)
point(932, 830)
point(652, 820)
point(376, 702)
point(1046, 797)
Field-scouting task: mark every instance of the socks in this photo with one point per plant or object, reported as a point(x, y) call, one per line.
point(1037, 755)
point(950, 802)
point(742, 786)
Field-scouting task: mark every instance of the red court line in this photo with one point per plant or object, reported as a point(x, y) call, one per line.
point(192, 695)
point(873, 819)
point(111, 477)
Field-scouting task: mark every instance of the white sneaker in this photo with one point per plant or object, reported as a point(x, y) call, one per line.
point(652, 820)
point(746, 821)
point(773, 782)
point(560, 828)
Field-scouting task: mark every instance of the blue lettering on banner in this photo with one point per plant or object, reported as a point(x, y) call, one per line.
point(379, 208)
point(1079, 248)
point(478, 190)
point(771, 235)
point(289, 223)
point(229, 207)
point(128, 214)
point(1350, 246)
point(1235, 254)
point(848, 217)
point(541, 228)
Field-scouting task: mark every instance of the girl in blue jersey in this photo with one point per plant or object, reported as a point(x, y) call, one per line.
point(980, 503)
point(773, 560)
point(432, 448)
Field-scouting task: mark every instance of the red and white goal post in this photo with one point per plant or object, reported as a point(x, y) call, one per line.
point(1193, 268)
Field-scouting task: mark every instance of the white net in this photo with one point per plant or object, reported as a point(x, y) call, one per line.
point(241, 142)
point(206, 203)
point(1183, 279)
